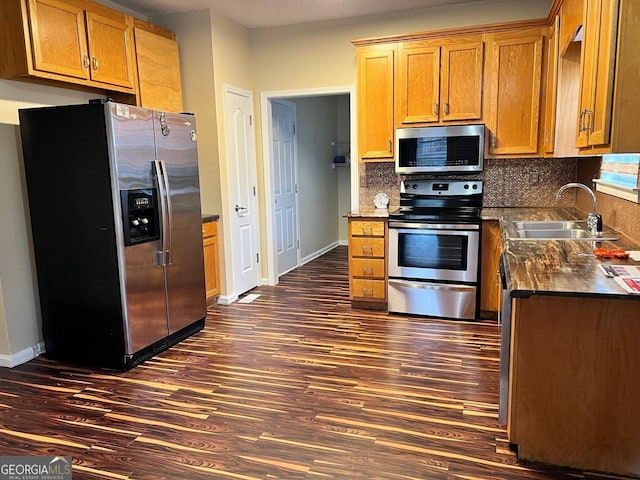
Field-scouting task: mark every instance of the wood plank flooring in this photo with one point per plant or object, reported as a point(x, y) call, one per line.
point(295, 385)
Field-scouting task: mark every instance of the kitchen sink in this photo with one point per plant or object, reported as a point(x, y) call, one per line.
point(553, 230)
point(547, 225)
point(574, 233)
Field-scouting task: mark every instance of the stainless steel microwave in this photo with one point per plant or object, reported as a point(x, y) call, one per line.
point(447, 149)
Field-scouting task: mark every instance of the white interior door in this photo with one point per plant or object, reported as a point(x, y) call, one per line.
point(241, 161)
point(285, 188)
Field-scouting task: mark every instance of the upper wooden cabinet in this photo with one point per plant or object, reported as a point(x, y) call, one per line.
point(375, 102)
point(609, 99)
point(515, 68)
point(596, 72)
point(439, 81)
point(74, 41)
point(158, 60)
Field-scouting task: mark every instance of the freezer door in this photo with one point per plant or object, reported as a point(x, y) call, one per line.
point(176, 149)
point(132, 148)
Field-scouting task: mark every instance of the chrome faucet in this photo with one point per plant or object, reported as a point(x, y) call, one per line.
point(594, 221)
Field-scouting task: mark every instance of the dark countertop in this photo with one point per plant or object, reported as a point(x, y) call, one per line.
point(557, 267)
point(209, 217)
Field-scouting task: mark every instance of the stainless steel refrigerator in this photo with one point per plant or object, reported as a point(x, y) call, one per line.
point(115, 214)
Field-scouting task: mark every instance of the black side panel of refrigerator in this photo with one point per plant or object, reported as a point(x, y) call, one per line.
point(72, 219)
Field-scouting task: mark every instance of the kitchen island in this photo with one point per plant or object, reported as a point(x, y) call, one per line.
point(575, 355)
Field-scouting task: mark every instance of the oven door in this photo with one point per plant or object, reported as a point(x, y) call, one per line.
point(425, 251)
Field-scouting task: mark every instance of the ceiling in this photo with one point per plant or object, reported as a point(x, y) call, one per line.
point(270, 13)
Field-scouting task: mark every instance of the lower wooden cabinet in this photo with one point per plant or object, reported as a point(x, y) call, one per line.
point(368, 263)
point(211, 259)
point(490, 289)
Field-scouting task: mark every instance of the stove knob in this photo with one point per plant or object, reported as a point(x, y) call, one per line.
point(466, 186)
point(475, 186)
point(414, 186)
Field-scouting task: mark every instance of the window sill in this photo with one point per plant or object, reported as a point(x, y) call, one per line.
point(616, 190)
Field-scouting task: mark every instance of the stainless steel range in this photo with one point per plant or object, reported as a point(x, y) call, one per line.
point(434, 249)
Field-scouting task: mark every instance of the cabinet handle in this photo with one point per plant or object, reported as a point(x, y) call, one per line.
point(446, 108)
point(436, 108)
point(390, 143)
point(86, 63)
point(367, 230)
point(367, 250)
point(494, 141)
point(367, 292)
point(367, 271)
point(588, 124)
point(94, 62)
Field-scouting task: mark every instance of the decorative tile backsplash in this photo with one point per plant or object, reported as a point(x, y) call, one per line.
point(529, 182)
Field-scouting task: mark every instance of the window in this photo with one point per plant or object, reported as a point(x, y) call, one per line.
point(620, 176)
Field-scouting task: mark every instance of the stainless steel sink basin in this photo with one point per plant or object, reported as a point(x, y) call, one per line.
point(547, 225)
point(557, 233)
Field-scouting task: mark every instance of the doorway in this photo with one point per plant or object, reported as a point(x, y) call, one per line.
point(324, 171)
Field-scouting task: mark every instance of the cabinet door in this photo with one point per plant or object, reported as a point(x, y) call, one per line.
point(58, 38)
point(158, 71)
point(418, 84)
point(597, 72)
point(491, 251)
point(551, 88)
point(515, 92)
point(461, 96)
point(375, 102)
point(110, 50)
point(211, 267)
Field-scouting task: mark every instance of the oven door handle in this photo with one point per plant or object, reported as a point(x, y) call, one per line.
point(433, 226)
point(433, 286)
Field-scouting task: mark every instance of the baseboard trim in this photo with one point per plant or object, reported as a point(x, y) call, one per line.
point(23, 356)
point(318, 253)
point(227, 299)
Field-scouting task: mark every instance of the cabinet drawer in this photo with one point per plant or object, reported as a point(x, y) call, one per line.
point(367, 247)
point(209, 228)
point(368, 289)
point(367, 228)
point(367, 267)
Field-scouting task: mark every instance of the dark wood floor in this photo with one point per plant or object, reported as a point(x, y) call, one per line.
point(295, 385)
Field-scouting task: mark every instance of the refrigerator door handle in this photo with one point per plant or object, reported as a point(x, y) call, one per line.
point(162, 193)
point(167, 193)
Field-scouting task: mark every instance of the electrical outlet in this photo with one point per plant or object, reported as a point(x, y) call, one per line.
point(534, 177)
point(363, 181)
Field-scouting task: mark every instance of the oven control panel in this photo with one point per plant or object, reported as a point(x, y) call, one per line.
point(445, 188)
